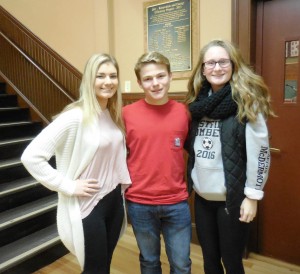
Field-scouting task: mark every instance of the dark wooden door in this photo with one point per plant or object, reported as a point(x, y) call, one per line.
point(278, 36)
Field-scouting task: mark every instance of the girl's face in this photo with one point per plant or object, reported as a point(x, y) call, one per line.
point(106, 83)
point(217, 67)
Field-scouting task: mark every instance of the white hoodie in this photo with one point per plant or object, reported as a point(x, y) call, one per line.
point(208, 172)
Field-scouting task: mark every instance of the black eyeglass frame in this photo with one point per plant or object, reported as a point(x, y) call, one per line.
point(204, 64)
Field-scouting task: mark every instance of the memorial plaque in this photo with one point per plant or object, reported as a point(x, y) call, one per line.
point(169, 31)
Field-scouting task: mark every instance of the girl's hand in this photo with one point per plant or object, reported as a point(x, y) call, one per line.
point(86, 188)
point(248, 210)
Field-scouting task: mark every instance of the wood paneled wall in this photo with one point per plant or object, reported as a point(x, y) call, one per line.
point(129, 98)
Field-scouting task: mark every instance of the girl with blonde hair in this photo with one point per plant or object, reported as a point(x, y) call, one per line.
point(91, 174)
point(229, 155)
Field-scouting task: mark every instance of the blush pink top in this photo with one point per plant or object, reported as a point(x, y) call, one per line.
point(108, 165)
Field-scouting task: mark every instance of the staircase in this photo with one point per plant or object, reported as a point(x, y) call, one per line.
point(28, 234)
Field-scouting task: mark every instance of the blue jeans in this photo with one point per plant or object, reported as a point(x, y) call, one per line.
point(174, 222)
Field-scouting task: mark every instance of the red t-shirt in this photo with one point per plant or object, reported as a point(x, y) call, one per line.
point(155, 135)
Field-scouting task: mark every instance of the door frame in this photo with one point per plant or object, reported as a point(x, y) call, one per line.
point(246, 33)
point(243, 27)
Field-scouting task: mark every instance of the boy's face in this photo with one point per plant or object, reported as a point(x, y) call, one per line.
point(155, 81)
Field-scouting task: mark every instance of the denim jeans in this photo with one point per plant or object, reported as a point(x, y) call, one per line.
point(174, 222)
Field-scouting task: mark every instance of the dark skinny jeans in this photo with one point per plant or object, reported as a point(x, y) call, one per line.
point(101, 232)
point(223, 237)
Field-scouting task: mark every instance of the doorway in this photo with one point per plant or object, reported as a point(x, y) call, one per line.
point(277, 48)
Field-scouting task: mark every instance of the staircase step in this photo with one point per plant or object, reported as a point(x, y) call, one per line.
point(15, 140)
point(17, 186)
point(8, 100)
point(27, 219)
point(27, 247)
point(14, 147)
point(19, 130)
point(22, 229)
point(21, 195)
point(11, 170)
point(10, 163)
point(13, 114)
point(39, 261)
point(30, 210)
point(28, 233)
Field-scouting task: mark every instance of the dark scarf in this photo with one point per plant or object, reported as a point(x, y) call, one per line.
point(219, 105)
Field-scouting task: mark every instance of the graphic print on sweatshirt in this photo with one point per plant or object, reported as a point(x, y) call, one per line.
point(207, 139)
point(263, 166)
point(208, 172)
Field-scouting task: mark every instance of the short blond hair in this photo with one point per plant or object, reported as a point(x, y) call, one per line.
point(151, 57)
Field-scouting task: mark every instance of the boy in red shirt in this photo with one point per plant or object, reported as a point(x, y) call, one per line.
point(156, 129)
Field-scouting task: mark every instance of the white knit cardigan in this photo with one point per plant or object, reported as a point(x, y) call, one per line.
point(74, 146)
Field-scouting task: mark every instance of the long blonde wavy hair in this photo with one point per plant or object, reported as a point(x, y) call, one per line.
point(88, 99)
point(249, 90)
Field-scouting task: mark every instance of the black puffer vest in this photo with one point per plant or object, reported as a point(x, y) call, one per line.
point(234, 157)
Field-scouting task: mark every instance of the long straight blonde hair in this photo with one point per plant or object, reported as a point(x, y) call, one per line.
point(88, 99)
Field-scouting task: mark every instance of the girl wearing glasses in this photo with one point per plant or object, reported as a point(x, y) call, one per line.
point(229, 156)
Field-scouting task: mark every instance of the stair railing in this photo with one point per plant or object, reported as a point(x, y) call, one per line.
point(38, 74)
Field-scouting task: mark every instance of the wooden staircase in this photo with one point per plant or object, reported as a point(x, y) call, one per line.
point(28, 233)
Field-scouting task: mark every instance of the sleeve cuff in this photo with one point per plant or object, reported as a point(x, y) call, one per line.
point(68, 187)
point(254, 194)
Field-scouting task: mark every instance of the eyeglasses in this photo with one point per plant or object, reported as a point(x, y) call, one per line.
point(223, 63)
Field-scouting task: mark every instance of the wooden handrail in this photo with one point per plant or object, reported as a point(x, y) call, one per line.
point(37, 67)
point(45, 81)
point(56, 66)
